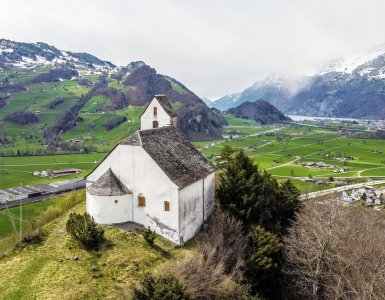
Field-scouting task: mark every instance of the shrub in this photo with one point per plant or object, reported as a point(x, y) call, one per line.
point(22, 117)
point(84, 230)
point(111, 124)
point(149, 236)
point(56, 103)
point(160, 288)
point(215, 268)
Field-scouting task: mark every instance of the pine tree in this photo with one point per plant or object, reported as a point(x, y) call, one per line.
point(256, 198)
point(263, 265)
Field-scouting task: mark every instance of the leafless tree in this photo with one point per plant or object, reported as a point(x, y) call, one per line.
point(210, 273)
point(336, 252)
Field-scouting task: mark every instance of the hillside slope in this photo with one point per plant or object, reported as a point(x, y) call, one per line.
point(48, 270)
point(260, 111)
point(81, 102)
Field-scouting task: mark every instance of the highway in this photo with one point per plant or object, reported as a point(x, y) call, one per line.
point(340, 189)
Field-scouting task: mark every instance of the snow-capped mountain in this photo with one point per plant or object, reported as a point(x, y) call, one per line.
point(226, 102)
point(31, 55)
point(350, 88)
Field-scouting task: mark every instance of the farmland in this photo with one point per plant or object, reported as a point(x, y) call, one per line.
point(15, 171)
point(282, 150)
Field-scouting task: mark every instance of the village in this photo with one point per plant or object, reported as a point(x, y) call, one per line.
point(371, 195)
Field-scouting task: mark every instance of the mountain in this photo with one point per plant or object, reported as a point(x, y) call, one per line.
point(260, 111)
point(195, 119)
point(29, 55)
point(46, 77)
point(208, 102)
point(227, 101)
point(354, 88)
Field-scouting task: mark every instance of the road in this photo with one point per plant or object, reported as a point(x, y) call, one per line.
point(340, 189)
point(39, 192)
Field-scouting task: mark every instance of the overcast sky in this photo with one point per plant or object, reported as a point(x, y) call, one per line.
point(213, 47)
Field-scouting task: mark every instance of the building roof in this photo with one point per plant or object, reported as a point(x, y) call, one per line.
point(163, 101)
point(173, 153)
point(108, 185)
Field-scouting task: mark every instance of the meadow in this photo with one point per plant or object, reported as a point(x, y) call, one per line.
point(48, 268)
point(281, 151)
point(15, 171)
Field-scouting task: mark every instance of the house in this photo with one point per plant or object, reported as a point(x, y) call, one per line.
point(67, 171)
point(155, 178)
point(346, 197)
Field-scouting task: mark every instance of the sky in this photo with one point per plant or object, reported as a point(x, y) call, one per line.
point(213, 47)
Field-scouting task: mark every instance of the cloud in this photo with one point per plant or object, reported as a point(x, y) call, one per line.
point(213, 47)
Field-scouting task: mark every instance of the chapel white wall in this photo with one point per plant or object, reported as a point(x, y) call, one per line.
point(196, 204)
point(139, 172)
point(109, 209)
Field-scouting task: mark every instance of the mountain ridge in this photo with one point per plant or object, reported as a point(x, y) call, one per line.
point(356, 91)
point(132, 85)
point(260, 111)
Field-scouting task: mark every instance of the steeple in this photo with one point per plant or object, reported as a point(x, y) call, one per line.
point(158, 113)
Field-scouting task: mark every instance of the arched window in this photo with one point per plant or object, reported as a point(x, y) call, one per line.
point(166, 206)
point(155, 124)
point(141, 200)
point(155, 111)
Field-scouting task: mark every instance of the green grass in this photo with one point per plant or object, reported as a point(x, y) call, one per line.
point(28, 211)
point(178, 88)
point(118, 86)
point(95, 104)
point(92, 132)
point(15, 171)
point(111, 272)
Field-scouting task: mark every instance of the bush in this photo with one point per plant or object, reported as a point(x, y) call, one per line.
point(149, 236)
point(84, 230)
point(22, 117)
point(30, 237)
point(214, 270)
point(111, 124)
point(160, 288)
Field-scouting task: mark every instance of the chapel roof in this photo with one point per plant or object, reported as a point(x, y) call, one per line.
point(173, 153)
point(163, 101)
point(108, 185)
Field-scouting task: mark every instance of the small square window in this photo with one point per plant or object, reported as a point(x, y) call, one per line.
point(166, 206)
point(141, 200)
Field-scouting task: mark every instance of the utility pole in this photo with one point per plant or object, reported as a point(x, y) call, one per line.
point(10, 216)
point(21, 216)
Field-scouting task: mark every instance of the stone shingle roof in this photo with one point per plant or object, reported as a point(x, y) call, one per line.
point(108, 185)
point(162, 99)
point(173, 153)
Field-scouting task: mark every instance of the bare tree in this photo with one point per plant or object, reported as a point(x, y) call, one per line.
point(336, 252)
point(217, 260)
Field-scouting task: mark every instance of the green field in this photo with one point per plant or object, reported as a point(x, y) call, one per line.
point(15, 171)
point(28, 211)
point(282, 151)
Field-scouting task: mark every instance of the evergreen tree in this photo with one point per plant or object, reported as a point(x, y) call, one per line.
point(160, 288)
point(263, 265)
point(84, 230)
point(255, 197)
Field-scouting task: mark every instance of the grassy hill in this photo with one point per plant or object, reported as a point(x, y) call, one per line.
point(48, 271)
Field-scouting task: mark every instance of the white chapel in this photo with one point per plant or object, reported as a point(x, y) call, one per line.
point(155, 178)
